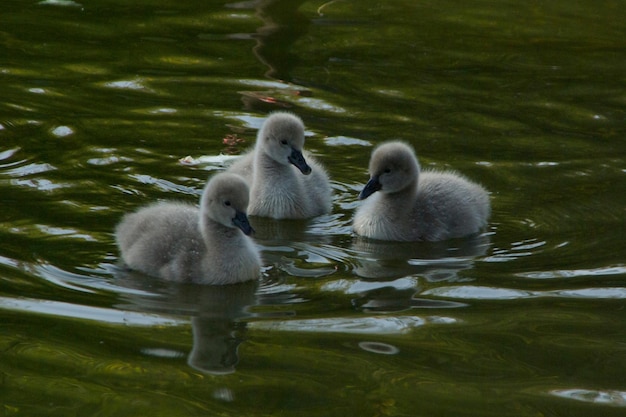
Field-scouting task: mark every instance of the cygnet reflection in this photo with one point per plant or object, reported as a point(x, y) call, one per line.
point(215, 345)
point(217, 313)
point(393, 273)
point(292, 247)
point(435, 261)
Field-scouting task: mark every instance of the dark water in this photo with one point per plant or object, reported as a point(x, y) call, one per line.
point(101, 99)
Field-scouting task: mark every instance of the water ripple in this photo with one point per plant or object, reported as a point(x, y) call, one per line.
point(468, 292)
point(8, 154)
point(606, 397)
point(359, 325)
point(30, 169)
point(575, 273)
point(165, 185)
point(133, 85)
point(72, 310)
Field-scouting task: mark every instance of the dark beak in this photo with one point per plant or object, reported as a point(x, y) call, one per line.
point(371, 187)
point(298, 160)
point(241, 221)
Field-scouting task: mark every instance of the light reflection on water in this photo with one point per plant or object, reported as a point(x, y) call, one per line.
point(489, 293)
point(614, 398)
point(605, 271)
point(359, 325)
point(68, 310)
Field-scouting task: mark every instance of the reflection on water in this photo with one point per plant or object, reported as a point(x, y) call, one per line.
point(282, 25)
point(217, 313)
point(358, 325)
point(391, 273)
point(70, 310)
point(436, 261)
point(476, 292)
point(215, 344)
point(615, 398)
point(293, 246)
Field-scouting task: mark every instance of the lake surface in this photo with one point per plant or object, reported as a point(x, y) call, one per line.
point(102, 101)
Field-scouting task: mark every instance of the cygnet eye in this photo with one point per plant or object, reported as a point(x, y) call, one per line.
point(284, 142)
point(387, 170)
point(227, 203)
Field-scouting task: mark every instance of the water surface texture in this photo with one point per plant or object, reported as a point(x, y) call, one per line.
point(108, 105)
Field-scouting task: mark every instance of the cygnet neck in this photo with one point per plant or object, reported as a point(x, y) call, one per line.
point(267, 167)
point(408, 193)
point(211, 229)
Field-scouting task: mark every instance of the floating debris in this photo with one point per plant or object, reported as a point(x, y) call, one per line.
point(220, 159)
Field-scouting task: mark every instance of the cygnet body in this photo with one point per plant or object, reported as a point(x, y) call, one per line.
point(179, 242)
point(404, 204)
point(284, 182)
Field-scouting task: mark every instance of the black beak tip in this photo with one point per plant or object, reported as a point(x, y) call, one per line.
point(297, 159)
point(241, 221)
point(370, 188)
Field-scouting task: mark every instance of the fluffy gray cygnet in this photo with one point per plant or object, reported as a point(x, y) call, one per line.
point(179, 242)
point(404, 204)
point(283, 183)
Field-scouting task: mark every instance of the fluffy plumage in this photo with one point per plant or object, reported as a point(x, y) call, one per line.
point(179, 242)
point(284, 182)
point(404, 204)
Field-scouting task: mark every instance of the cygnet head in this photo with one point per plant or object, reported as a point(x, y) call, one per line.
point(393, 167)
point(282, 138)
point(225, 200)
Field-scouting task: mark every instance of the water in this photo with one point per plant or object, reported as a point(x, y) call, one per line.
point(102, 99)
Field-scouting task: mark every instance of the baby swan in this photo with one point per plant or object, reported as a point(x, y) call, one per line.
point(414, 206)
point(179, 242)
point(283, 183)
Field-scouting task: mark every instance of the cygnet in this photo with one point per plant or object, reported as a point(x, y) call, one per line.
point(284, 182)
point(179, 242)
point(402, 204)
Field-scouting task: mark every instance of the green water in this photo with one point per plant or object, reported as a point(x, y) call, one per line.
point(101, 99)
